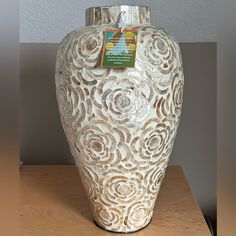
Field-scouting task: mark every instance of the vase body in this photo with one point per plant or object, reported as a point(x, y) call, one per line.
point(120, 122)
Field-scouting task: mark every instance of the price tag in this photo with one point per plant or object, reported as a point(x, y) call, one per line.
point(119, 48)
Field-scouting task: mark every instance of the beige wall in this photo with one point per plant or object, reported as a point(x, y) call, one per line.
point(43, 140)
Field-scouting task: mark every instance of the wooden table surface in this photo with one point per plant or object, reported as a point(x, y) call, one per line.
point(53, 203)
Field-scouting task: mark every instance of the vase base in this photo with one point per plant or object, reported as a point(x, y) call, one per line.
point(122, 232)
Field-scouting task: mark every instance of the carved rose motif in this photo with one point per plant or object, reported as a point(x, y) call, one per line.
point(177, 91)
point(107, 217)
point(154, 142)
point(71, 103)
point(119, 189)
point(139, 214)
point(121, 101)
point(86, 48)
point(155, 177)
point(159, 51)
point(95, 145)
point(90, 182)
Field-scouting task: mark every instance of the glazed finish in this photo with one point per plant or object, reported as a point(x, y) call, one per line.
point(120, 123)
point(110, 15)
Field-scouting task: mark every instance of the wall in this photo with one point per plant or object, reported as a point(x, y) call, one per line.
point(42, 138)
point(45, 21)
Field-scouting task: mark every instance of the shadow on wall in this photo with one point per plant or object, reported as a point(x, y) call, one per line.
point(42, 137)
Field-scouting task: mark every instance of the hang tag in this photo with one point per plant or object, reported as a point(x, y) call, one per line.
point(119, 48)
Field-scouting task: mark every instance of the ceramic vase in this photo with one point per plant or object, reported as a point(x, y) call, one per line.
point(120, 123)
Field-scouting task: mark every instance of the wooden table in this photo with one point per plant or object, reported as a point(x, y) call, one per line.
point(53, 203)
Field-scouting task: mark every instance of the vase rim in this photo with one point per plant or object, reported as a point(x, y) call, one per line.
point(136, 14)
point(122, 5)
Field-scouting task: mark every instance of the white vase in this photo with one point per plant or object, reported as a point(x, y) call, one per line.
point(120, 122)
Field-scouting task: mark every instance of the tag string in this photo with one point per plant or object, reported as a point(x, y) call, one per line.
point(122, 19)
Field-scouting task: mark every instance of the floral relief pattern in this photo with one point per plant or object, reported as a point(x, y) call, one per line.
point(119, 189)
point(121, 101)
point(120, 123)
point(98, 146)
point(154, 143)
point(72, 104)
point(85, 48)
point(158, 50)
point(107, 216)
point(139, 213)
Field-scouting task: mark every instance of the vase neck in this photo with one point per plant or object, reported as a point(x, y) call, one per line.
point(128, 15)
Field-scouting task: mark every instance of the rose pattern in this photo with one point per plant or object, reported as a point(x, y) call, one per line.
point(72, 104)
point(85, 48)
point(96, 146)
point(158, 50)
point(155, 177)
point(121, 101)
point(139, 214)
point(107, 217)
point(161, 54)
point(90, 182)
point(119, 189)
point(163, 106)
point(154, 142)
point(120, 123)
point(177, 92)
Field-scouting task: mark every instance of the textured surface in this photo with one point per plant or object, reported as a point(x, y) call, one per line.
point(53, 202)
point(120, 123)
point(47, 21)
point(194, 145)
point(110, 15)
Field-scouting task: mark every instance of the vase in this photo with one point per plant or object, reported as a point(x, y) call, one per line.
point(120, 122)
